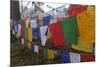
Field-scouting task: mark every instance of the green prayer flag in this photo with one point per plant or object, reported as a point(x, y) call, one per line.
point(70, 30)
point(26, 35)
point(46, 53)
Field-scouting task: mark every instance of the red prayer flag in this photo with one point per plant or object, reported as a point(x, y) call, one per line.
point(57, 34)
point(87, 57)
point(22, 34)
point(76, 9)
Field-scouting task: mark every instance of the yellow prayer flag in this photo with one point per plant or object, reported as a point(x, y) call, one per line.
point(83, 46)
point(29, 37)
point(50, 54)
point(86, 25)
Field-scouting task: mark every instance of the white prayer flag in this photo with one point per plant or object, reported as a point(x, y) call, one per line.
point(36, 48)
point(74, 57)
point(33, 23)
point(22, 41)
point(43, 30)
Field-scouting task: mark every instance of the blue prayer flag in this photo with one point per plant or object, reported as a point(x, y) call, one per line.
point(65, 57)
point(35, 33)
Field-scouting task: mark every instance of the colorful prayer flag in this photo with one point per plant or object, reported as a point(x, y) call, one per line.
point(56, 34)
point(50, 54)
point(26, 35)
point(43, 36)
point(35, 33)
point(70, 30)
point(87, 57)
point(76, 9)
point(46, 53)
point(46, 20)
point(65, 57)
point(30, 37)
point(86, 25)
point(36, 49)
point(74, 57)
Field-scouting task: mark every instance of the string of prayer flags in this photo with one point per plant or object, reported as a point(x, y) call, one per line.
point(86, 25)
point(42, 33)
point(74, 57)
point(75, 30)
point(70, 30)
point(76, 9)
point(87, 57)
point(65, 57)
point(26, 35)
point(56, 34)
point(50, 54)
point(29, 37)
